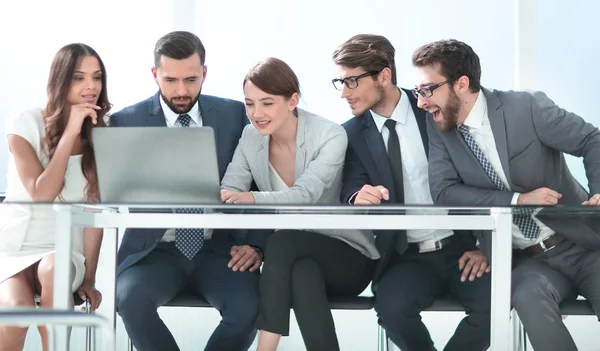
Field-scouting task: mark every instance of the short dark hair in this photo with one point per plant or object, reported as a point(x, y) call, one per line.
point(371, 52)
point(456, 59)
point(179, 45)
point(275, 77)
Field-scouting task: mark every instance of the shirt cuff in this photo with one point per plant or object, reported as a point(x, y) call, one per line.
point(515, 199)
point(351, 199)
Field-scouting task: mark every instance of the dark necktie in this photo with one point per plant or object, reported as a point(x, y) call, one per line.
point(188, 240)
point(524, 221)
point(395, 158)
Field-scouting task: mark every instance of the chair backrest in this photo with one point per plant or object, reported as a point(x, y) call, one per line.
point(577, 308)
point(446, 304)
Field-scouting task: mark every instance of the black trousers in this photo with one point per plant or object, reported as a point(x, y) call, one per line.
point(301, 270)
point(414, 280)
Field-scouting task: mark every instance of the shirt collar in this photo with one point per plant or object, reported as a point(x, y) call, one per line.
point(476, 117)
point(171, 116)
point(399, 114)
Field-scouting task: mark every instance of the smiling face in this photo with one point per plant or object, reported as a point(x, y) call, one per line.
point(366, 96)
point(444, 104)
point(267, 112)
point(86, 83)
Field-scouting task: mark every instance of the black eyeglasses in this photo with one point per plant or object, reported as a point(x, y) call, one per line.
point(427, 92)
point(352, 81)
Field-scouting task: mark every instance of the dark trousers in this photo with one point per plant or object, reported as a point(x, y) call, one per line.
point(414, 280)
point(164, 274)
point(541, 282)
point(301, 270)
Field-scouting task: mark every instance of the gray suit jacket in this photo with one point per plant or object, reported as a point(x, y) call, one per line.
point(531, 134)
point(320, 152)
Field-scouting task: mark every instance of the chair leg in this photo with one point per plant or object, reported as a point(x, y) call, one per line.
point(516, 331)
point(129, 345)
point(90, 344)
point(383, 343)
point(523, 334)
point(519, 335)
point(380, 338)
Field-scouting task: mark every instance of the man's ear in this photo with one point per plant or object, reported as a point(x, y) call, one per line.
point(154, 75)
point(385, 76)
point(463, 84)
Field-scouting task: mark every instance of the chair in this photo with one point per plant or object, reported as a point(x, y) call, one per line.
point(449, 304)
point(85, 306)
point(345, 303)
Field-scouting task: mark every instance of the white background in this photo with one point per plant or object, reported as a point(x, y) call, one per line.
point(554, 49)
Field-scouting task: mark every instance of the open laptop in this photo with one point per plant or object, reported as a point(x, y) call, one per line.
point(157, 165)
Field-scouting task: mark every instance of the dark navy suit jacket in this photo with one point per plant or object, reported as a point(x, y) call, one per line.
point(367, 163)
point(228, 119)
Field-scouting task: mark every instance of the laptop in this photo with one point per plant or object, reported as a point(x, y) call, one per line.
point(157, 165)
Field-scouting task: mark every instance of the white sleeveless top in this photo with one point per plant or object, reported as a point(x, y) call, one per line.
point(27, 232)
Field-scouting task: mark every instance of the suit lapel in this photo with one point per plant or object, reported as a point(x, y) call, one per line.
point(209, 118)
point(262, 166)
point(156, 117)
point(378, 153)
point(498, 125)
point(420, 115)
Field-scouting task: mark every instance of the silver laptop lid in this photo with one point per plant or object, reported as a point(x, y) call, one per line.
point(157, 165)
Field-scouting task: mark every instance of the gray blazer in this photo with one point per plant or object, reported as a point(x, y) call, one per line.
point(320, 152)
point(531, 134)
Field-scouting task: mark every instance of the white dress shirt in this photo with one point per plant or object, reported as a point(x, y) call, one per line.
point(415, 167)
point(171, 118)
point(480, 129)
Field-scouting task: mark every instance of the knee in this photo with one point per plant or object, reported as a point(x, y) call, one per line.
point(305, 271)
point(241, 310)
point(279, 242)
point(129, 295)
point(531, 292)
point(10, 300)
point(395, 304)
point(45, 271)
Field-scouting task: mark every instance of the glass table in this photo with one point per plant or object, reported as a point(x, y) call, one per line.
point(496, 221)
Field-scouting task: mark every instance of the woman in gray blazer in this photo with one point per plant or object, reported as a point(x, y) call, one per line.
point(296, 157)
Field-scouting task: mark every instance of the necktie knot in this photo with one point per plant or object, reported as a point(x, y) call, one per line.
point(390, 124)
point(463, 129)
point(184, 120)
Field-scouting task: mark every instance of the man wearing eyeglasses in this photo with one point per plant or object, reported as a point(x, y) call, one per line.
point(496, 148)
point(386, 163)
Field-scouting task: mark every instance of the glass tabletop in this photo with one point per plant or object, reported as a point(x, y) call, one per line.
point(384, 209)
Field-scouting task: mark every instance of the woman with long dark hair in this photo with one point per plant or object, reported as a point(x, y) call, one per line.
point(51, 159)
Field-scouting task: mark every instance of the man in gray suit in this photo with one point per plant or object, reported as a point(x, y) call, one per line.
point(496, 148)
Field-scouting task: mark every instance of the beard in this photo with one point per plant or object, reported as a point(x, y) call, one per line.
point(178, 108)
point(374, 104)
point(449, 113)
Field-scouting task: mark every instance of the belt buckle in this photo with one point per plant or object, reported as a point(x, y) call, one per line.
point(544, 247)
point(429, 246)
